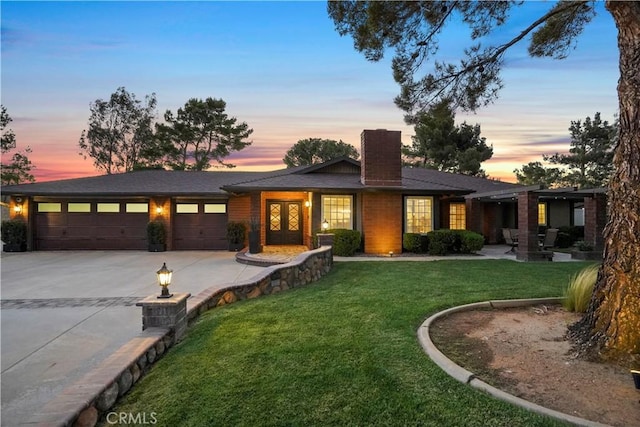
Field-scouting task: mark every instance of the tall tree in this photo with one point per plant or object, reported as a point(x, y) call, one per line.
point(120, 131)
point(317, 150)
point(18, 169)
point(534, 173)
point(590, 158)
point(200, 133)
point(440, 144)
point(612, 323)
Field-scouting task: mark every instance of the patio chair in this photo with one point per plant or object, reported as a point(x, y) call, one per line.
point(549, 240)
point(510, 240)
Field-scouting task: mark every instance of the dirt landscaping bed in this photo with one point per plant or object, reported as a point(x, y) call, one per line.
point(524, 352)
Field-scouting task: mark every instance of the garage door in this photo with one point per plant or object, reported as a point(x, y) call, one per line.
point(76, 225)
point(200, 225)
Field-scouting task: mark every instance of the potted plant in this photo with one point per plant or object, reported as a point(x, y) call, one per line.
point(156, 236)
point(14, 235)
point(235, 235)
point(254, 236)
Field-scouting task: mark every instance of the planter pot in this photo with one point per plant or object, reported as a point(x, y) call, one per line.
point(14, 247)
point(157, 247)
point(254, 242)
point(235, 247)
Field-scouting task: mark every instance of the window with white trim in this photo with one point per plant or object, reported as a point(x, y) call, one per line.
point(418, 214)
point(337, 210)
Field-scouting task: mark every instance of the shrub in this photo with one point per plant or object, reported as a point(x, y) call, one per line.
point(578, 293)
point(444, 242)
point(415, 242)
point(236, 232)
point(156, 233)
point(345, 242)
point(14, 232)
point(584, 246)
point(471, 242)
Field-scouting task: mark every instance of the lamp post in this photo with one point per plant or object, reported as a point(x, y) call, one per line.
point(164, 280)
point(325, 225)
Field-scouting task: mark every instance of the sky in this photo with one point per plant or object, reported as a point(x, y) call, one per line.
point(281, 67)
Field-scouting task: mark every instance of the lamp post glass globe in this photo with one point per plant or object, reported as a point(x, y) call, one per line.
point(325, 225)
point(164, 280)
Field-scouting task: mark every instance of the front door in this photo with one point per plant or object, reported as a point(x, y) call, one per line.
point(284, 220)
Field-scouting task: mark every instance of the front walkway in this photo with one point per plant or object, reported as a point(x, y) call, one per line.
point(283, 254)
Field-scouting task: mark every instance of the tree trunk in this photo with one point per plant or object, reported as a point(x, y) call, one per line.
point(611, 325)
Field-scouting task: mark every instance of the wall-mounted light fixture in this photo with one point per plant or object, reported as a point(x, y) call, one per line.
point(159, 210)
point(307, 204)
point(17, 209)
point(164, 280)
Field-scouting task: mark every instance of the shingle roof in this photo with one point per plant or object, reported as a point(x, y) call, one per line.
point(140, 183)
point(219, 183)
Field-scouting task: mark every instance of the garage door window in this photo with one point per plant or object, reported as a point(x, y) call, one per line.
point(215, 208)
point(49, 207)
point(79, 207)
point(108, 207)
point(187, 208)
point(137, 208)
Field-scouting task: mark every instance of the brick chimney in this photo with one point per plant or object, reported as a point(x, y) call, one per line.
point(381, 163)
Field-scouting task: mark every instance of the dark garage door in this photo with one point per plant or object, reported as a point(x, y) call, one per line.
point(200, 225)
point(69, 225)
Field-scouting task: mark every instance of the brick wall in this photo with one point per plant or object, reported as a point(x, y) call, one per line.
point(595, 219)
point(239, 208)
point(382, 223)
point(381, 158)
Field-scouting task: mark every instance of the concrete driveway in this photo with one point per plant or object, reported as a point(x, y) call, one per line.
point(63, 313)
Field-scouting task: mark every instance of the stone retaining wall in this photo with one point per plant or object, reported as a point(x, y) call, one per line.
point(86, 401)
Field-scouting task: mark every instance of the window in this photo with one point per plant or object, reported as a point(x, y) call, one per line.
point(79, 207)
point(457, 216)
point(418, 214)
point(187, 208)
point(578, 215)
point(338, 211)
point(137, 208)
point(108, 207)
point(215, 208)
point(542, 214)
point(49, 207)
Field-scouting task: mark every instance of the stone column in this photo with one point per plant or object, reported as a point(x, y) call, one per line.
point(595, 219)
point(166, 313)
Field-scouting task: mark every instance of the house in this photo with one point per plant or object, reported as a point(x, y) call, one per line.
point(377, 196)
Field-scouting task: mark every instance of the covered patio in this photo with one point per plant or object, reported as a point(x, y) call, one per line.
point(533, 209)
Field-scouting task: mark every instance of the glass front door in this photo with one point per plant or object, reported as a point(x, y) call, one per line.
point(284, 222)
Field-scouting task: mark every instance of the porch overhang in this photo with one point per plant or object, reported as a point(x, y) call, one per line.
point(506, 196)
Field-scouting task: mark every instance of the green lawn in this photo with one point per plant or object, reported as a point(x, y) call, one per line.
point(341, 351)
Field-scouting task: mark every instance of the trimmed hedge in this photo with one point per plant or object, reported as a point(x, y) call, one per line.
point(345, 242)
point(415, 242)
point(443, 242)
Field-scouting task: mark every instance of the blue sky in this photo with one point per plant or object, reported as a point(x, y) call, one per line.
point(280, 66)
